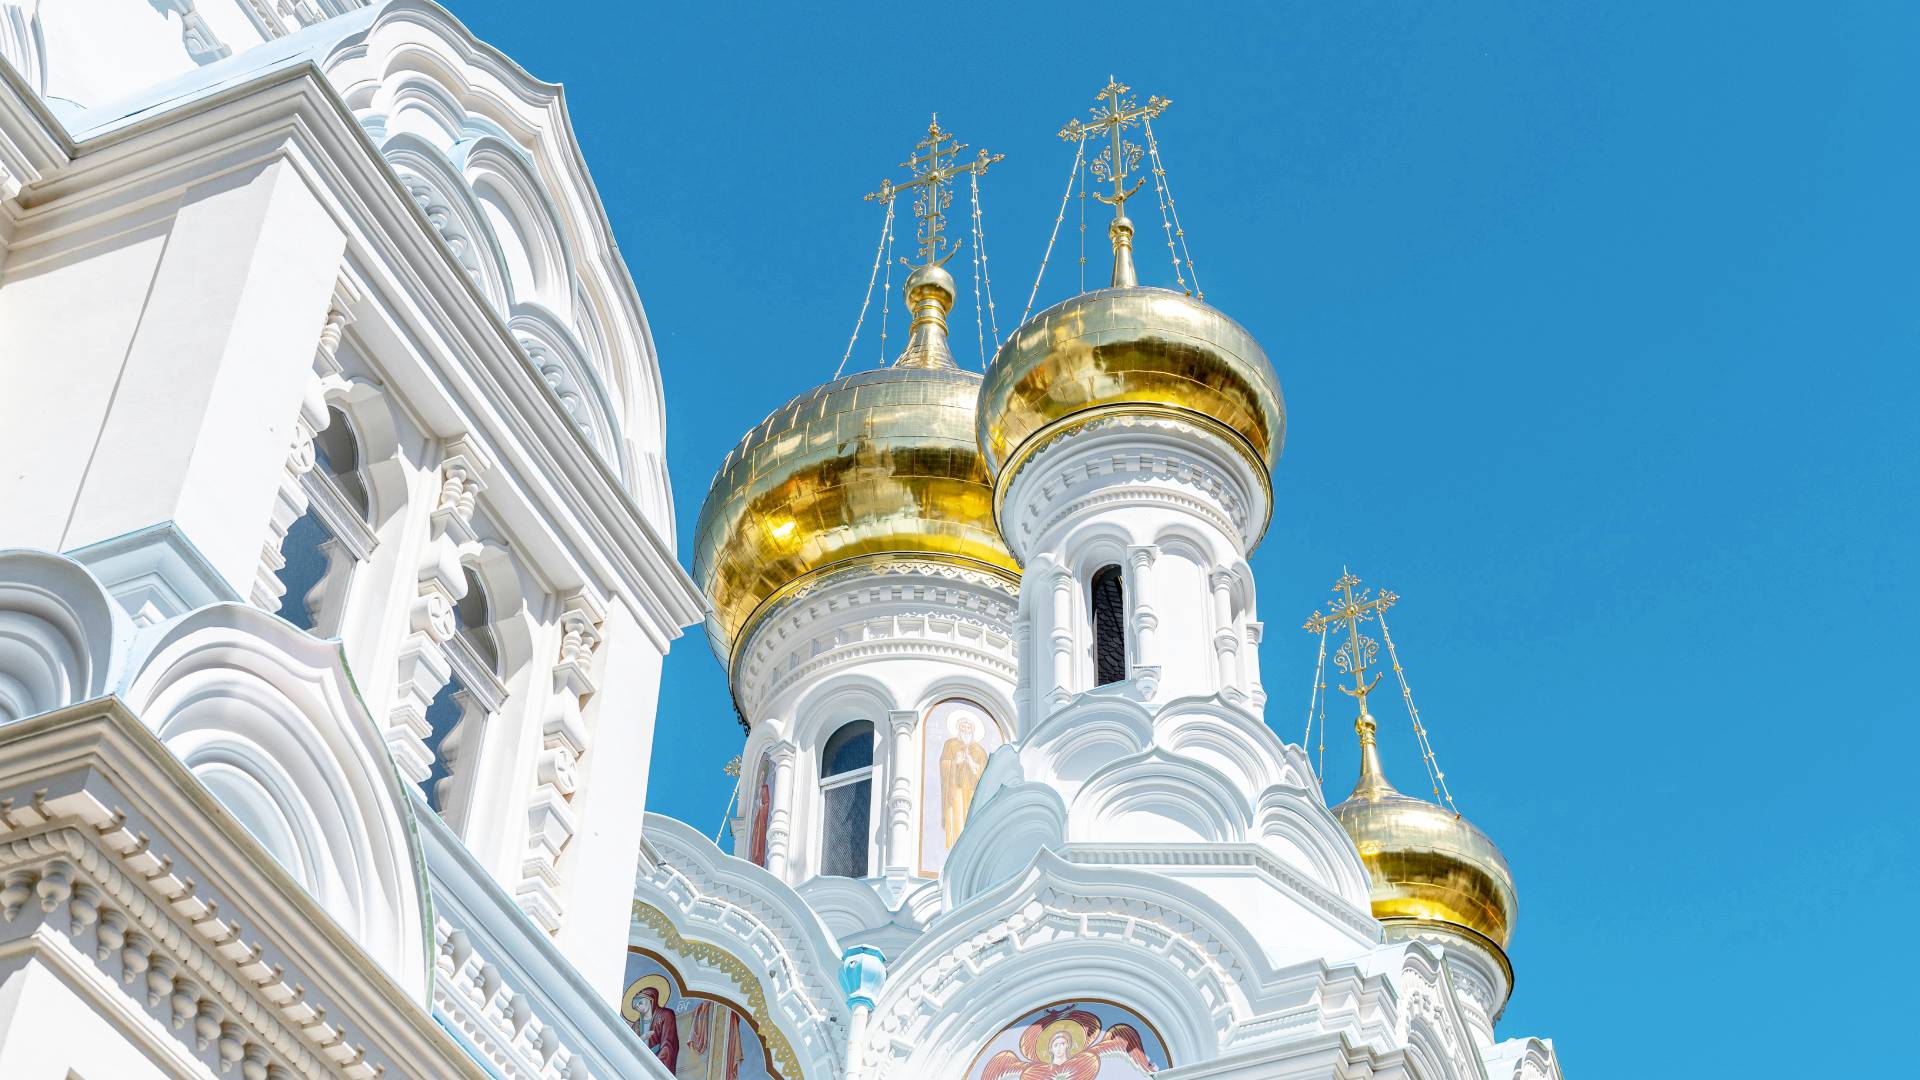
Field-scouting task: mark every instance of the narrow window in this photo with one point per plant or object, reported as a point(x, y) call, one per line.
point(473, 692)
point(335, 534)
point(1109, 627)
point(846, 789)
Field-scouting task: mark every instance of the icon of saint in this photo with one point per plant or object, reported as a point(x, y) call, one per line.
point(961, 761)
point(1067, 1044)
point(656, 1024)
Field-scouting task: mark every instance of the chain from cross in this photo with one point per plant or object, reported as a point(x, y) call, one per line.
point(1359, 650)
point(933, 170)
point(1116, 113)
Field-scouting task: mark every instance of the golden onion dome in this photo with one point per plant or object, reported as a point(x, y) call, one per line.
point(1428, 865)
point(1130, 349)
point(876, 465)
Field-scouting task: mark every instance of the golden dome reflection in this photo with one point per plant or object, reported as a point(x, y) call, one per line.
point(1133, 350)
point(1427, 863)
point(878, 464)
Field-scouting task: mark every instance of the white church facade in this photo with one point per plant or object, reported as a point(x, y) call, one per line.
point(337, 571)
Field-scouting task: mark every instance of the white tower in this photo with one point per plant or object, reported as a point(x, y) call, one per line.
point(1131, 431)
point(864, 606)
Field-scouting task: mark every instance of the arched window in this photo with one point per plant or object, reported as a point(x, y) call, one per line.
point(846, 789)
point(1108, 609)
point(324, 544)
point(473, 691)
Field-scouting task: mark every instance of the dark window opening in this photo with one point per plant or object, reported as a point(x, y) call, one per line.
point(304, 550)
point(1109, 627)
point(846, 788)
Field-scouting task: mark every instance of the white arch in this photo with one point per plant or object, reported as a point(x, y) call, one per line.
point(61, 635)
point(270, 717)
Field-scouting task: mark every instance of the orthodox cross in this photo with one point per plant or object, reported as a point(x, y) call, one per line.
point(1359, 650)
point(933, 170)
point(1115, 113)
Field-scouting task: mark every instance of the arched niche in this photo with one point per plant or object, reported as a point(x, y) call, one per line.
point(60, 634)
point(525, 222)
point(268, 718)
point(449, 207)
point(563, 365)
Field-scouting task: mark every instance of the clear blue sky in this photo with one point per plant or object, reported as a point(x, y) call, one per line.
point(1598, 328)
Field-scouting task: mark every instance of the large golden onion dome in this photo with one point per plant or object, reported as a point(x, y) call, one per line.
point(874, 466)
point(1128, 350)
point(1429, 865)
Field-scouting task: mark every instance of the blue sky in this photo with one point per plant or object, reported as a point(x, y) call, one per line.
point(1597, 325)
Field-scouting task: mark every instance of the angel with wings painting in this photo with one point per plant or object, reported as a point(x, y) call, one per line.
point(1067, 1044)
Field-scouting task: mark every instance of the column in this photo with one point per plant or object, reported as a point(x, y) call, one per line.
point(1226, 640)
point(900, 762)
point(1060, 634)
point(1250, 663)
point(1146, 653)
point(780, 820)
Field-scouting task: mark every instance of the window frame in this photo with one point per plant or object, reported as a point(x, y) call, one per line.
point(824, 784)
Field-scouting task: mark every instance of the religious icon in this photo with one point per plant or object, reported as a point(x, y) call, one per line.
point(696, 1037)
point(762, 807)
point(959, 736)
point(1075, 1042)
point(653, 1020)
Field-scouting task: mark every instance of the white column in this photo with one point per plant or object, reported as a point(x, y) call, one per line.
point(1060, 634)
point(900, 761)
point(780, 819)
point(1146, 653)
point(1250, 663)
point(1226, 640)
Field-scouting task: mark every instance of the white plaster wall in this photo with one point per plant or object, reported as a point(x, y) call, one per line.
point(188, 419)
point(611, 802)
point(100, 51)
point(50, 1031)
point(61, 372)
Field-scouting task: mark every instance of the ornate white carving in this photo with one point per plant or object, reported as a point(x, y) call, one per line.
point(563, 740)
point(497, 1019)
point(423, 664)
point(292, 498)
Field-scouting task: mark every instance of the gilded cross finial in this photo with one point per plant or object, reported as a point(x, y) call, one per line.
point(1354, 610)
point(1357, 653)
point(933, 170)
point(1117, 162)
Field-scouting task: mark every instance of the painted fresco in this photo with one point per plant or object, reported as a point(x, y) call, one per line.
point(694, 1036)
point(1073, 1040)
point(762, 809)
point(958, 737)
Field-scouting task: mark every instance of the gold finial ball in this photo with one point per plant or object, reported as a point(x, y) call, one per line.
point(1430, 866)
point(1131, 349)
point(930, 282)
point(878, 465)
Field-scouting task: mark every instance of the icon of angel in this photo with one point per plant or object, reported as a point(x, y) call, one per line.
point(1067, 1044)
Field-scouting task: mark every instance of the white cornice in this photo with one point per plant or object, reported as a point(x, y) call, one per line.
point(124, 851)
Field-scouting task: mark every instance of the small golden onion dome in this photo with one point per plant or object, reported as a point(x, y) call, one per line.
point(1130, 349)
point(877, 465)
point(1428, 864)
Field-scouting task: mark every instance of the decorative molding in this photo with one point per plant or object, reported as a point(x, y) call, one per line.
point(124, 854)
point(1219, 487)
point(564, 739)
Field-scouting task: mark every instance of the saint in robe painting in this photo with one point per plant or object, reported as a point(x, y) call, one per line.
point(958, 737)
point(762, 810)
point(1073, 1040)
point(696, 1037)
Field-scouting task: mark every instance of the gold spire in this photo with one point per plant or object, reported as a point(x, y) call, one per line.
point(1117, 162)
point(1354, 656)
point(930, 289)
